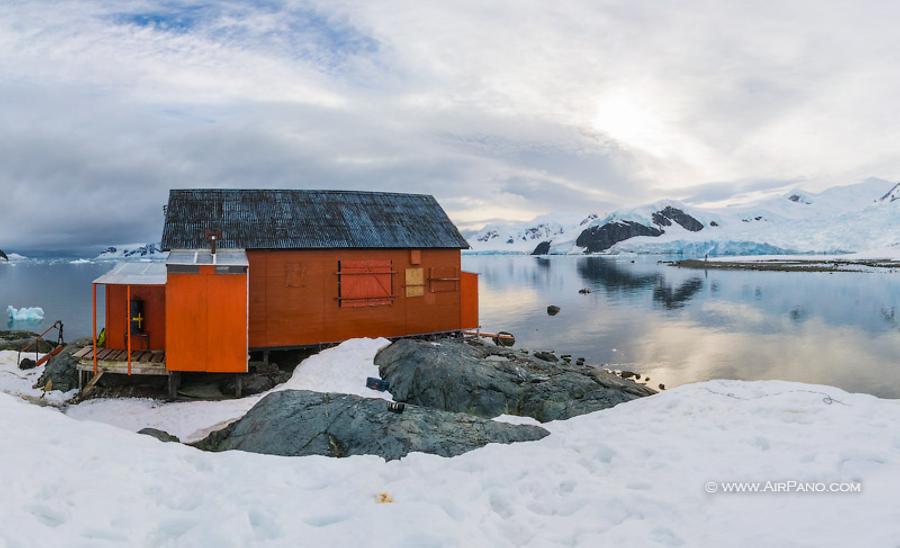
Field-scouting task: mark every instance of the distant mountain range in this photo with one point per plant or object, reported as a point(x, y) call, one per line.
point(127, 252)
point(853, 218)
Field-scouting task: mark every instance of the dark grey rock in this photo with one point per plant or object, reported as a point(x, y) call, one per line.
point(300, 422)
point(61, 370)
point(542, 248)
point(601, 238)
point(553, 310)
point(546, 356)
point(669, 214)
point(161, 435)
point(490, 381)
point(27, 363)
point(3, 255)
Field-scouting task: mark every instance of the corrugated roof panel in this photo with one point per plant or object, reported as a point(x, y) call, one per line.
point(303, 219)
point(135, 274)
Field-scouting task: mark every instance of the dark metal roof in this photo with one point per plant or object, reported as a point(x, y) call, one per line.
point(307, 219)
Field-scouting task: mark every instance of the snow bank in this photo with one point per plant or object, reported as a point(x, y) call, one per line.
point(633, 475)
point(343, 369)
point(24, 314)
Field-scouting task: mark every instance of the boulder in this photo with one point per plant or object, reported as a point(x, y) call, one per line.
point(161, 435)
point(488, 381)
point(301, 422)
point(61, 370)
point(553, 310)
point(27, 363)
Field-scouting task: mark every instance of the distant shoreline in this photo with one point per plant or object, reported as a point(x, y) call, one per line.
point(793, 265)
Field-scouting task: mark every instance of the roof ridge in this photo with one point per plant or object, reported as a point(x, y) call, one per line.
point(305, 190)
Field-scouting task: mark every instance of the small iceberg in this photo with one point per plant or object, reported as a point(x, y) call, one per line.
point(25, 314)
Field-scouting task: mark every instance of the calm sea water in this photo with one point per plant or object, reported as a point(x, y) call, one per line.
point(675, 325)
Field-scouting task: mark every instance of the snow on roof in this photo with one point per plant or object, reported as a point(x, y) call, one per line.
point(223, 257)
point(135, 274)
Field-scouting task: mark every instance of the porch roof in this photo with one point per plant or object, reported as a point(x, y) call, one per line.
point(152, 273)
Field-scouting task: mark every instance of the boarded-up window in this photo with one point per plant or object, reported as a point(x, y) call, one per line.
point(294, 275)
point(443, 279)
point(365, 283)
point(415, 282)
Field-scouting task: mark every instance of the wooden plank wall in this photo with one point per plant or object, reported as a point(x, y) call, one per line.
point(294, 296)
point(154, 297)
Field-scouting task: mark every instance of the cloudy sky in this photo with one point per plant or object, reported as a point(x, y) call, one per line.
point(503, 110)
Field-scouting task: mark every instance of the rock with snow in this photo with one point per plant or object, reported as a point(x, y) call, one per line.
point(3, 255)
point(161, 435)
point(603, 237)
point(489, 381)
point(301, 422)
point(61, 370)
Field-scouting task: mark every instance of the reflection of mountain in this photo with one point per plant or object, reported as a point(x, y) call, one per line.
point(677, 297)
point(613, 277)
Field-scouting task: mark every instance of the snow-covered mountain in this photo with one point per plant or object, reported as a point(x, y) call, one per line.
point(851, 218)
point(132, 252)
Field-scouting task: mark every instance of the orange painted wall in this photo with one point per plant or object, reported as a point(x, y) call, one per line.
point(294, 297)
point(206, 321)
point(154, 297)
point(468, 312)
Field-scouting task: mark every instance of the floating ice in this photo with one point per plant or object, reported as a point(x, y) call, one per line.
point(24, 314)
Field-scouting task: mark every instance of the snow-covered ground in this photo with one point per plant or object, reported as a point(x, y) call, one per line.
point(638, 474)
point(341, 369)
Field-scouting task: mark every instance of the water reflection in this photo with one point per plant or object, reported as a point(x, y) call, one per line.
point(685, 325)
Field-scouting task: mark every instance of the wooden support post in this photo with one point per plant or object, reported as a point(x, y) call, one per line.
point(128, 325)
point(94, 291)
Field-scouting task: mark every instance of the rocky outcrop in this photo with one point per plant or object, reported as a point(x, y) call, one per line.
point(488, 381)
point(669, 214)
point(601, 238)
point(61, 370)
point(161, 435)
point(300, 422)
point(17, 340)
point(542, 248)
point(3, 255)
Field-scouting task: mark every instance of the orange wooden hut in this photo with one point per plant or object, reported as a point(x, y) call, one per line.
point(260, 270)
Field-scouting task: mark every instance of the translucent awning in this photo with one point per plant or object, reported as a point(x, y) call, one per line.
point(153, 273)
point(223, 257)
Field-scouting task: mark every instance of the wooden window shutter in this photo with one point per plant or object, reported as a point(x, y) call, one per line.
point(365, 283)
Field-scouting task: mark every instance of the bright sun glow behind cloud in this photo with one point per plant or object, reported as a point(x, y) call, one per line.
point(502, 110)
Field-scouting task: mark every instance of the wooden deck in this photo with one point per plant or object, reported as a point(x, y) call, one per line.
point(143, 362)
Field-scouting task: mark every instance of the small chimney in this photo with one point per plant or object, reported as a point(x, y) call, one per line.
point(212, 241)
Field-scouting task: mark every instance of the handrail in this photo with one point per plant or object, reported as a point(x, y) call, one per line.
point(60, 340)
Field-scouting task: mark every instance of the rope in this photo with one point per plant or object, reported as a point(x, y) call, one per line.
point(827, 399)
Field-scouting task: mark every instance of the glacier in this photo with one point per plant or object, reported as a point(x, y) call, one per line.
point(844, 219)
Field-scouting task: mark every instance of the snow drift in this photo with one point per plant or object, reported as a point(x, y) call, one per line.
point(633, 475)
